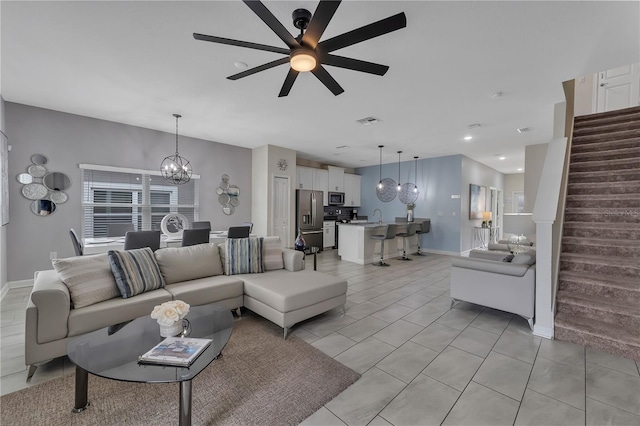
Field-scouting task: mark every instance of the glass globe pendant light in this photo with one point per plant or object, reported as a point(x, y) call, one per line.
point(175, 168)
point(415, 184)
point(380, 185)
point(399, 185)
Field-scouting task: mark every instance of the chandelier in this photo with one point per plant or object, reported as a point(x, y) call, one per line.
point(175, 168)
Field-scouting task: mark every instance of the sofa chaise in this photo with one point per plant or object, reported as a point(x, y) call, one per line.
point(74, 299)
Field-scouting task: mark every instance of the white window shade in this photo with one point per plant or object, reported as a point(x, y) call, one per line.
point(112, 195)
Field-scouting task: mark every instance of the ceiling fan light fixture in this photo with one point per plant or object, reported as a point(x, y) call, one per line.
point(303, 60)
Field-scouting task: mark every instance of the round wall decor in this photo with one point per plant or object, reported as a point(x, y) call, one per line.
point(282, 164)
point(34, 191)
point(174, 224)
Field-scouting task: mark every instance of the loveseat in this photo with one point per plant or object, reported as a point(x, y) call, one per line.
point(84, 293)
point(496, 279)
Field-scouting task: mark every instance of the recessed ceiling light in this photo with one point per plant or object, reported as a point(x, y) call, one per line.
point(240, 65)
point(502, 158)
point(468, 138)
point(474, 126)
point(342, 147)
point(496, 95)
point(520, 169)
point(368, 121)
point(523, 129)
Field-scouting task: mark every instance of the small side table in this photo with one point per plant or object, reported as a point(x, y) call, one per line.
point(314, 251)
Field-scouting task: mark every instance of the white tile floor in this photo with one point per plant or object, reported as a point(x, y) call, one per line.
point(423, 363)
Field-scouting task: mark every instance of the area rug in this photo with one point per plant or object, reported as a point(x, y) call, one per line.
point(261, 379)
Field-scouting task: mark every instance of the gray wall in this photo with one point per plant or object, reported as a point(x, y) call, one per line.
point(534, 156)
point(478, 174)
point(68, 140)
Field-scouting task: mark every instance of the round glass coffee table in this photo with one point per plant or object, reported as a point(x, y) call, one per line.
point(112, 353)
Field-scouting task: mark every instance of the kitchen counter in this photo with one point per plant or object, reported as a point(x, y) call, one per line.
point(356, 245)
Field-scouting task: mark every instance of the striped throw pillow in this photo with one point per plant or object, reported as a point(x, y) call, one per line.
point(135, 271)
point(272, 253)
point(88, 278)
point(242, 256)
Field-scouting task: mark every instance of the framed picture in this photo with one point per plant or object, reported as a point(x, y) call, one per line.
point(477, 201)
point(517, 205)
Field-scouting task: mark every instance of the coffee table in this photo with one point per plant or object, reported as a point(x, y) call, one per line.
point(114, 354)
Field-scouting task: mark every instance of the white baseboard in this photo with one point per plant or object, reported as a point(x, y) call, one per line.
point(546, 332)
point(15, 284)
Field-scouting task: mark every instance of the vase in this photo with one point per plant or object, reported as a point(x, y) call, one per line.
point(299, 243)
point(174, 329)
point(409, 215)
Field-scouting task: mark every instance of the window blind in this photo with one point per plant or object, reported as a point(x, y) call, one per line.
point(112, 195)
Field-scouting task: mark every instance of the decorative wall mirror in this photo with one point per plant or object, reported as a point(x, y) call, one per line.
point(43, 207)
point(24, 178)
point(34, 191)
point(228, 195)
point(56, 181)
point(39, 159)
point(37, 170)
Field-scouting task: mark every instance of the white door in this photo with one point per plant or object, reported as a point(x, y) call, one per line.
point(619, 88)
point(281, 218)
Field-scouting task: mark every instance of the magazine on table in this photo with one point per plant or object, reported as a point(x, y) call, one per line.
point(180, 351)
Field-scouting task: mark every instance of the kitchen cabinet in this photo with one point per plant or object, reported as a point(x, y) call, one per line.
point(321, 183)
point(305, 177)
point(329, 234)
point(336, 179)
point(352, 184)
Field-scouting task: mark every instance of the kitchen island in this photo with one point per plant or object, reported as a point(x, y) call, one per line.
point(356, 245)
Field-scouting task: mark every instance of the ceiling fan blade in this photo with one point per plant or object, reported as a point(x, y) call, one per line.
point(240, 43)
point(321, 17)
point(326, 79)
point(288, 82)
point(354, 64)
point(259, 68)
point(272, 22)
point(367, 32)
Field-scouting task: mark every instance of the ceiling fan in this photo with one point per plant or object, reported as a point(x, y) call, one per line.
point(306, 52)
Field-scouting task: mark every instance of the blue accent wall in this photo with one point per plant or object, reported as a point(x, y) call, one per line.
point(438, 179)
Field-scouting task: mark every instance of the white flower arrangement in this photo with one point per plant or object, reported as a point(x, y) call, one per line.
point(168, 313)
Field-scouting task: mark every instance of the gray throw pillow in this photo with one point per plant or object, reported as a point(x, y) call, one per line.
point(135, 271)
point(88, 278)
point(526, 258)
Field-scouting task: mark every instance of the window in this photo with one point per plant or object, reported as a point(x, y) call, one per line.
point(114, 195)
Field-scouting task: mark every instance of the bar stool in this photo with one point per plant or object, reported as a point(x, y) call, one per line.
point(410, 232)
point(424, 229)
point(390, 234)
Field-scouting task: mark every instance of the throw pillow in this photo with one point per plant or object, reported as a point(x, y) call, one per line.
point(88, 278)
point(135, 271)
point(242, 256)
point(507, 258)
point(272, 253)
point(179, 264)
point(527, 258)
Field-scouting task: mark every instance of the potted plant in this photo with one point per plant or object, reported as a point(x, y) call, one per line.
point(410, 208)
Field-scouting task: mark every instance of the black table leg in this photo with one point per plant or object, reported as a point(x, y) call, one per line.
point(315, 261)
point(185, 403)
point(82, 390)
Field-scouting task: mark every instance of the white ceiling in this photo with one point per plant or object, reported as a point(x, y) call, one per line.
point(137, 63)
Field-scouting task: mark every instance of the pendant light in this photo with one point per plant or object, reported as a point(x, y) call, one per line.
point(399, 185)
point(380, 185)
point(415, 182)
point(175, 168)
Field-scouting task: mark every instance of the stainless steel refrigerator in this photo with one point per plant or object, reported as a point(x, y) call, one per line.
point(310, 217)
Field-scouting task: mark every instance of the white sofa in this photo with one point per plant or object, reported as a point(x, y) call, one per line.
point(285, 296)
point(484, 279)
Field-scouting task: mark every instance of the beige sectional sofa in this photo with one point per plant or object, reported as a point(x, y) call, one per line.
point(497, 280)
point(286, 293)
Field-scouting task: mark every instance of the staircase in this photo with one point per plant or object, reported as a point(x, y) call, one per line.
point(598, 301)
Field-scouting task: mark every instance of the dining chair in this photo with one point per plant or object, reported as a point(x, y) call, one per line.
point(118, 229)
point(249, 224)
point(140, 239)
point(191, 237)
point(238, 232)
point(201, 225)
point(77, 244)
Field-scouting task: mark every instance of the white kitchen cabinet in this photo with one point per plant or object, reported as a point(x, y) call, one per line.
point(329, 234)
point(321, 183)
point(336, 179)
point(352, 184)
point(305, 177)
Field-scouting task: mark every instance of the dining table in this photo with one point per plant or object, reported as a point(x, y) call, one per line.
point(104, 244)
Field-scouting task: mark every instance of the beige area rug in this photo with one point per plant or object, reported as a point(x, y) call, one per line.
point(261, 379)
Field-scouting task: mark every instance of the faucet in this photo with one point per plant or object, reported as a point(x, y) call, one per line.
point(380, 219)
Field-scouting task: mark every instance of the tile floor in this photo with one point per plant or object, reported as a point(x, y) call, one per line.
point(423, 363)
